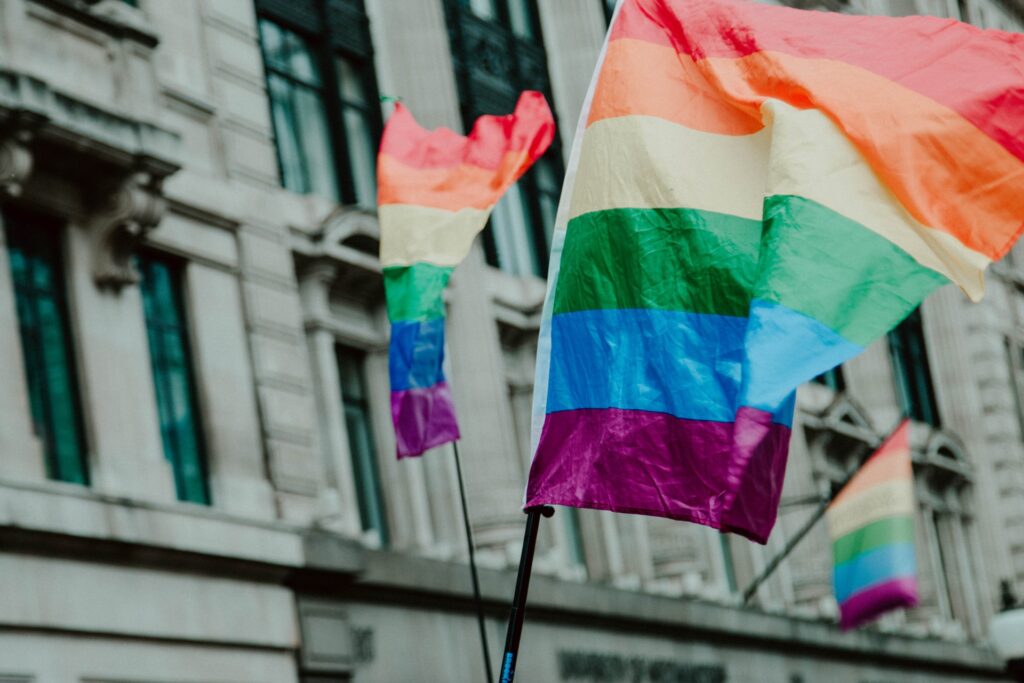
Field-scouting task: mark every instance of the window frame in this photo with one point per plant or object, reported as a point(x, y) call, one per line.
point(176, 271)
point(314, 27)
point(473, 102)
point(915, 386)
point(372, 505)
point(35, 229)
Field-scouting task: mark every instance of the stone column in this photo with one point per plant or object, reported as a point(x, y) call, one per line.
point(227, 394)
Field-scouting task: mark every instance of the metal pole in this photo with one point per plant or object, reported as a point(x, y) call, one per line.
point(472, 568)
point(777, 560)
point(518, 612)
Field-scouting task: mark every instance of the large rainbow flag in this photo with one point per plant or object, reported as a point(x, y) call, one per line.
point(756, 193)
point(436, 192)
point(871, 522)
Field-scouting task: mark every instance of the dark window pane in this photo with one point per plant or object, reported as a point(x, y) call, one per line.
point(173, 380)
point(912, 372)
point(358, 124)
point(498, 52)
point(833, 379)
point(298, 113)
point(360, 442)
point(36, 269)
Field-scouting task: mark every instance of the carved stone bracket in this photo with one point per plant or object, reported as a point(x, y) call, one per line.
point(15, 162)
point(121, 217)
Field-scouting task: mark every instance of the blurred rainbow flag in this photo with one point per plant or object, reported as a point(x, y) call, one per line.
point(756, 194)
point(871, 523)
point(436, 192)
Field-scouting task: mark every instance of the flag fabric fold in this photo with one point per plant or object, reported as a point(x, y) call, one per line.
point(436, 192)
point(871, 523)
point(756, 194)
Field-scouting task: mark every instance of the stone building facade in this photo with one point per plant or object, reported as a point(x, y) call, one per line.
point(197, 481)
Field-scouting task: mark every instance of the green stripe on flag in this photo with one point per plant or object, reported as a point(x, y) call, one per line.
point(415, 292)
point(883, 532)
point(667, 259)
point(830, 268)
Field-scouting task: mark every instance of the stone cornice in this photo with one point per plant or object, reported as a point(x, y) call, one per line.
point(105, 136)
point(110, 16)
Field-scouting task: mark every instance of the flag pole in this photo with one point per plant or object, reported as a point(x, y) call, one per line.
point(518, 611)
point(477, 598)
point(770, 568)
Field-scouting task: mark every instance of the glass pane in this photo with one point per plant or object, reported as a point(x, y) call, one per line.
point(520, 17)
point(361, 444)
point(362, 156)
point(351, 85)
point(46, 349)
point(485, 9)
point(574, 538)
point(303, 143)
point(728, 563)
point(512, 238)
point(359, 137)
point(286, 52)
point(172, 379)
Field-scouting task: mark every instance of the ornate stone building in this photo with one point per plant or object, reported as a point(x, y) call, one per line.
point(197, 481)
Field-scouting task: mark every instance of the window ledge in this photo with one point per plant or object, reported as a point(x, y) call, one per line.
point(38, 512)
point(113, 17)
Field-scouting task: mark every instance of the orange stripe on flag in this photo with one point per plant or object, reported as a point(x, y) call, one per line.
point(671, 87)
point(461, 187)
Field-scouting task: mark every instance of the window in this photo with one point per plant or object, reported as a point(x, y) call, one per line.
point(37, 272)
point(833, 379)
point(323, 97)
point(498, 53)
point(1015, 371)
point(360, 442)
point(911, 370)
point(576, 555)
point(173, 379)
point(728, 563)
point(609, 8)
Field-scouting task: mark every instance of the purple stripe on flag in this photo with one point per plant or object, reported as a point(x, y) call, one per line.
point(872, 602)
point(711, 473)
point(424, 418)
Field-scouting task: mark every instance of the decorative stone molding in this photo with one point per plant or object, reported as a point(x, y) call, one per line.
point(119, 221)
point(350, 239)
point(15, 162)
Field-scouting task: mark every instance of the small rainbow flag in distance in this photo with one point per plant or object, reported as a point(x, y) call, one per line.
point(871, 523)
point(757, 193)
point(436, 191)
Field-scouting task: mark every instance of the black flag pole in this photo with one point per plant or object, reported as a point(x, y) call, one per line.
point(472, 567)
point(518, 611)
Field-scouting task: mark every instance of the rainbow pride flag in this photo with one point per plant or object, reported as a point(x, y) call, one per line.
point(871, 522)
point(756, 193)
point(436, 192)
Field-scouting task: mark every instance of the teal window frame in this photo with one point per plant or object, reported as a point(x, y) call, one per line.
point(362, 445)
point(173, 376)
point(912, 371)
point(517, 239)
point(834, 379)
point(35, 252)
point(323, 51)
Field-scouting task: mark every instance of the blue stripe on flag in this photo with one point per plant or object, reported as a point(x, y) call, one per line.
point(416, 354)
point(785, 349)
point(873, 567)
point(688, 365)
